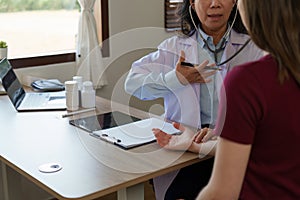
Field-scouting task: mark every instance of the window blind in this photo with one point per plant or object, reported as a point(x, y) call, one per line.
point(172, 21)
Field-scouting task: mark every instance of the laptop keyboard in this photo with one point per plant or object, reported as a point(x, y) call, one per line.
point(35, 100)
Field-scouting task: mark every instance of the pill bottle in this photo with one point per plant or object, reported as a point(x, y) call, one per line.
point(72, 98)
point(78, 79)
point(88, 95)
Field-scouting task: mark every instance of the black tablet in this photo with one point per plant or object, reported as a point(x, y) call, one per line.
point(103, 121)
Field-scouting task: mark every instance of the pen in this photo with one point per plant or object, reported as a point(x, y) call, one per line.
point(206, 67)
point(77, 112)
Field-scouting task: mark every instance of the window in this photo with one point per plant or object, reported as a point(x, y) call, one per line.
point(172, 22)
point(40, 32)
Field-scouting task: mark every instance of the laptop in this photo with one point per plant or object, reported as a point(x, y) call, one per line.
point(25, 101)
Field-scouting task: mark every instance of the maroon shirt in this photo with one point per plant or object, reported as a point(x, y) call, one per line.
point(261, 111)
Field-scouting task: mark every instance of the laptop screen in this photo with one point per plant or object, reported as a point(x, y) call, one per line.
point(11, 84)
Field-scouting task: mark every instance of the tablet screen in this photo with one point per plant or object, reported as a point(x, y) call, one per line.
point(103, 121)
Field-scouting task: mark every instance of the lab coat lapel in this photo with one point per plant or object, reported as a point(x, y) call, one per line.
point(189, 46)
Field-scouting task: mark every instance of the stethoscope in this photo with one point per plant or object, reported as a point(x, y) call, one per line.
point(222, 46)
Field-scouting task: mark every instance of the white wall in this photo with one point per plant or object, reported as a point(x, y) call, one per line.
point(129, 41)
point(136, 28)
point(60, 71)
point(129, 14)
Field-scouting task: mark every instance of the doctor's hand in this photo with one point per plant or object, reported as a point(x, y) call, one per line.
point(198, 74)
point(204, 135)
point(175, 142)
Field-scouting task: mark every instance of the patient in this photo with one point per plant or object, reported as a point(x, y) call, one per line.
point(258, 121)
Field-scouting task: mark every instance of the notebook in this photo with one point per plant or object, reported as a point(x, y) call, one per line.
point(24, 101)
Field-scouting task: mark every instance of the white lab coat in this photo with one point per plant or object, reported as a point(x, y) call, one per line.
point(153, 76)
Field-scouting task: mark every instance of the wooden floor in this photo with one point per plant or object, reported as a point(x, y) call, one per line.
point(149, 193)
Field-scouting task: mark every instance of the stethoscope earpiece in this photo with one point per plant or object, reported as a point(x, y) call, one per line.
point(191, 7)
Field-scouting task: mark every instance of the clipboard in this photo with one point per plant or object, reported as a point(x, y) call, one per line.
point(103, 121)
point(134, 134)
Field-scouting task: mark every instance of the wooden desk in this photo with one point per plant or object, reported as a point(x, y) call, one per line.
point(91, 167)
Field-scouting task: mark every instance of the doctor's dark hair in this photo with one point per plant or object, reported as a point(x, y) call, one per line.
point(187, 27)
point(275, 29)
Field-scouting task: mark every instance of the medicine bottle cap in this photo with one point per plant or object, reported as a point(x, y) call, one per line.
point(78, 79)
point(71, 86)
point(87, 85)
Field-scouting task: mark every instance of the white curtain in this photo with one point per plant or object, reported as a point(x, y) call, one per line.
point(88, 56)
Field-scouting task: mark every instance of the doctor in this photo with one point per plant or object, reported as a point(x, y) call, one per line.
point(211, 34)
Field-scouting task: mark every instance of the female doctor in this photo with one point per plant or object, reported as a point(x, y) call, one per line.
point(214, 36)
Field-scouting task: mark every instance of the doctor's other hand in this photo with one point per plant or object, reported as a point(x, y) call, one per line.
point(175, 142)
point(188, 75)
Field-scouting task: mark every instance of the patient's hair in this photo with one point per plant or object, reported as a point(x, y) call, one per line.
point(274, 27)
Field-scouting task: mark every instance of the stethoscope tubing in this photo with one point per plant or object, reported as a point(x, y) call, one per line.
point(226, 35)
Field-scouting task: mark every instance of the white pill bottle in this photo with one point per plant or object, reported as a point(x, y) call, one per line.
point(88, 95)
point(72, 100)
